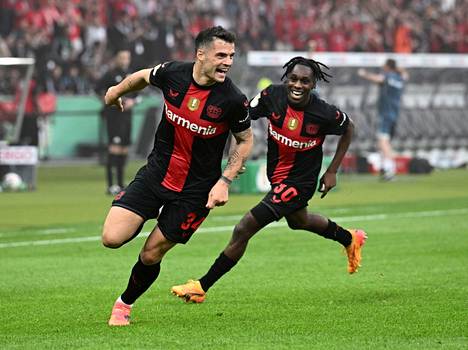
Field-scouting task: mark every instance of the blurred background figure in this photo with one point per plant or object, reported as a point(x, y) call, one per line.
point(118, 123)
point(391, 81)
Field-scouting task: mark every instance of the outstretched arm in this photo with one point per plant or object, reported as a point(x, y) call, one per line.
point(404, 73)
point(328, 179)
point(373, 77)
point(134, 82)
point(219, 194)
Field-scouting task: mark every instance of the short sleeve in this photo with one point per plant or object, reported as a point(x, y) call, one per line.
point(257, 106)
point(158, 75)
point(337, 121)
point(240, 119)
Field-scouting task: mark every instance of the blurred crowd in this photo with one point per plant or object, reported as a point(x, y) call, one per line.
point(73, 41)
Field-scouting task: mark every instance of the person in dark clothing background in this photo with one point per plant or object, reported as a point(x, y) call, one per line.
point(118, 123)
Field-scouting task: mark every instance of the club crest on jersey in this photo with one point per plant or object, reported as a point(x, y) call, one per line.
point(193, 103)
point(293, 123)
point(213, 112)
point(311, 129)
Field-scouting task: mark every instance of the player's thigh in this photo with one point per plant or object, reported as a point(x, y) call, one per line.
point(120, 225)
point(180, 218)
point(283, 200)
point(387, 125)
point(130, 209)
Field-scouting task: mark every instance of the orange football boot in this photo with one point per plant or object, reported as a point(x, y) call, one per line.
point(190, 292)
point(353, 251)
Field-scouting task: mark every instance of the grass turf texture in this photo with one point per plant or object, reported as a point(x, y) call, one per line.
point(290, 291)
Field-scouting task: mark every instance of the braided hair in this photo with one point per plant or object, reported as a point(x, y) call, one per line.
point(319, 74)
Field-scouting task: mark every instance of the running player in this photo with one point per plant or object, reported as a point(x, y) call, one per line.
point(183, 173)
point(298, 124)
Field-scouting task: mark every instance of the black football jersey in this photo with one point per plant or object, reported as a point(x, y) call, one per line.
point(295, 137)
point(111, 78)
point(195, 124)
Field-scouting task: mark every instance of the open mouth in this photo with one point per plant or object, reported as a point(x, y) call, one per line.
point(222, 71)
point(297, 95)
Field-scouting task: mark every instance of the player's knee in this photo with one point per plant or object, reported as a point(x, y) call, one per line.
point(150, 257)
point(240, 233)
point(295, 224)
point(110, 241)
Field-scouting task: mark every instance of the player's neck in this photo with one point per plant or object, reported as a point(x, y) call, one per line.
point(200, 78)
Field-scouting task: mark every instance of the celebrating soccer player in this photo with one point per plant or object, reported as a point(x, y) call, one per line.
point(298, 124)
point(183, 173)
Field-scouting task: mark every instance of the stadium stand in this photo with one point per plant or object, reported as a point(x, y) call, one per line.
point(72, 42)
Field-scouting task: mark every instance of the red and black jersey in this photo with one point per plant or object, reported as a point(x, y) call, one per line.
point(195, 124)
point(295, 137)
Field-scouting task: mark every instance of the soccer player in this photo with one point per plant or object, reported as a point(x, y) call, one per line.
point(118, 123)
point(298, 123)
point(391, 81)
point(183, 173)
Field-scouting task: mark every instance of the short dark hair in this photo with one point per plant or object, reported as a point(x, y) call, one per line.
point(391, 63)
point(208, 35)
point(319, 74)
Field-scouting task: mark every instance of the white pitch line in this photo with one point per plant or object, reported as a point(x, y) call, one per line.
point(228, 228)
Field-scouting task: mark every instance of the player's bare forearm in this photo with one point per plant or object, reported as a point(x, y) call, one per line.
point(219, 194)
point(373, 77)
point(328, 179)
point(240, 153)
point(341, 148)
point(134, 82)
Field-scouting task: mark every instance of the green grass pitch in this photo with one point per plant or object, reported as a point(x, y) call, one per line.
point(290, 291)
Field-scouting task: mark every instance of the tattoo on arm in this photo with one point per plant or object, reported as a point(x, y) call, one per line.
point(233, 158)
point(243, 135)
point(129, 83)
point(238, 157)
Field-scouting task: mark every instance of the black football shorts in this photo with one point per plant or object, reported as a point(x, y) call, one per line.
point(180, 215)
point(282, 200)
point(119, 127)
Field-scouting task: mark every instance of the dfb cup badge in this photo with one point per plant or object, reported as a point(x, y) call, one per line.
point(193, 103)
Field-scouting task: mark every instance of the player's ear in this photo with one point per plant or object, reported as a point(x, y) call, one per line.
point(200, 54)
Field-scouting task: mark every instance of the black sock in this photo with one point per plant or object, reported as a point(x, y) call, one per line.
point(120, 166)
point(337, 233)
point(221, 266)
point(141, 278)
point(109, 167)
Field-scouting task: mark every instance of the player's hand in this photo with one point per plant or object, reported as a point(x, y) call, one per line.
point(327, 182)
point(361, 72)
point(111, 98)
point(129, 103)
point(218, 195)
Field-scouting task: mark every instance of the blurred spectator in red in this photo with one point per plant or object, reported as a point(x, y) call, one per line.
point(403, 43)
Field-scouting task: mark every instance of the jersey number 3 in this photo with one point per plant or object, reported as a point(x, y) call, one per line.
point(283, 193)
point(192, 222)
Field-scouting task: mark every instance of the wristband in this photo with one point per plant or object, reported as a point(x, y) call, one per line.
point(225, 179)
